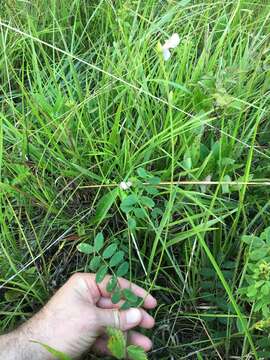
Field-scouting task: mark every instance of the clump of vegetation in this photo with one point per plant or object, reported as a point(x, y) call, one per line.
point(111, 259)
point(257, 274)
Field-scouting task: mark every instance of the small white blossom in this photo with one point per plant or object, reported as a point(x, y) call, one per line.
point(171, 43)
point(125, 185)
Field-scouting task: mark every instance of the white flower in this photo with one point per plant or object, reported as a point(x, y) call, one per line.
point(171, 43)
point(125, 185)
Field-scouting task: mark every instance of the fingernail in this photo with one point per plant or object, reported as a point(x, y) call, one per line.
point(133, 316)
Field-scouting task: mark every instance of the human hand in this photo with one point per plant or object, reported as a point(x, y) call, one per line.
point(76, 317)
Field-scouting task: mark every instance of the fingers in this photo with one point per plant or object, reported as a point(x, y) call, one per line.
point(123, 320)
point(134, 338)
point(149, 301)
point(147, 321)
point(106, 303)
point(86, 285)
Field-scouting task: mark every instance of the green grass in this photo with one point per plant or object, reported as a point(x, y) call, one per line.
point(86, 99)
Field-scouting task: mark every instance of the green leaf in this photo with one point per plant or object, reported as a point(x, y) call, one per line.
point(126, 209)
point(104, 205)
point(116, 343)
point(132, 224)
point(136, 353)
point(57, 354)
point(95, 263)
point(139, 213)
point(265, 289)
point(257, 242)
point(109, 251)
point(129, 295)
point(151, 190)
point(102, 272)
point(146, 201)
point(258, 305)
point(123, 269)
point(154, 180)
point(251, 291)
point(138, 184)
point(265, 311)
point(117, 258)
point(266, 235)
point(156, 212)
point(99, 242)
point(138, 303)
point(85, 248)
point(111, 284)
point(187, 163)
point(130, 200)
point(125, 306)
point(142, 173)
point(247, 239)
point(259, 283)
point(258, 254)
point(116, 296)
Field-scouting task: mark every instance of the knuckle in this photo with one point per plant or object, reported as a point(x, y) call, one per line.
point(76, 277)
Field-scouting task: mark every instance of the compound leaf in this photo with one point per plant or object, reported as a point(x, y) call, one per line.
point(136, 353)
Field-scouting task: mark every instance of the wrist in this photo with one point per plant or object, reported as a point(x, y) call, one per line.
point(18, 345)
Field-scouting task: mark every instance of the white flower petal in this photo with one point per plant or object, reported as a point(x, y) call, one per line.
point(172, 42)
point(166, 54)
point(175, 40)
point(125, 185)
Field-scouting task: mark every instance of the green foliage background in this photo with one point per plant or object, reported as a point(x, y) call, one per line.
point(99, 103)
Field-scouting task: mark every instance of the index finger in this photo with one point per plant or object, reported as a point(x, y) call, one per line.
point(149, 302)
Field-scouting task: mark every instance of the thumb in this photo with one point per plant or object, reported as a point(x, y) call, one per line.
point(123, 320)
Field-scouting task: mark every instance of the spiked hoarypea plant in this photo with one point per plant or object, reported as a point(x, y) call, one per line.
point(137, 205)
point(111, 259)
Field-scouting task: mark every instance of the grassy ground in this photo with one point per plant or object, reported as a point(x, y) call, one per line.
point(87, 100)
